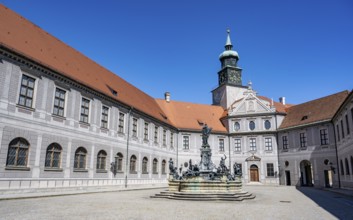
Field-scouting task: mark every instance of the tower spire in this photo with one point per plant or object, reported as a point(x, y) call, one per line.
point(228, 45)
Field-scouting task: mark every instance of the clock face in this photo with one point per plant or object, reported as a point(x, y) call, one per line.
point(232, 76)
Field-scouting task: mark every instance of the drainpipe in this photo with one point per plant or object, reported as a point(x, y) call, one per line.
point(127, 146)
point(338, 167)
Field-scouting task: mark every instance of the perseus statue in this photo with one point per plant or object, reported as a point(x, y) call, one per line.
point(205, 134)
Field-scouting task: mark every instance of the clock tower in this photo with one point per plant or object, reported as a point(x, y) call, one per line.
point(230, 86)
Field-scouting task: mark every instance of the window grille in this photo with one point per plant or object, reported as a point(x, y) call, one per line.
point(84, 110)
point(18, 153)
point(59, 102)
point(53, 156)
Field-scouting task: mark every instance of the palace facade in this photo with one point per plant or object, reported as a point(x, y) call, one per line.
point(66, 121)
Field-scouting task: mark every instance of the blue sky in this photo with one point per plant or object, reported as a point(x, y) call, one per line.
point(302, 50)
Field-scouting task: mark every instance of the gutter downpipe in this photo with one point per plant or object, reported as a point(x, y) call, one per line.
point(338, 167)
point(127, 145)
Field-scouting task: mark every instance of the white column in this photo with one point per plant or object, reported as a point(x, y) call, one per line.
point(36, 170)
point(150, 166)
point(4, 91)
point(91, 164)
point(68, 162)
point(139, 166)
point(159, 167)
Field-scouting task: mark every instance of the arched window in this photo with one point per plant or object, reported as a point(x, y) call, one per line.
point(163, 166)
point(342, 170)
point(133, 164)
point(17, 154)
point(347, 166)
point(101, 160)
point(155, 166)
point(80, 158)
point(252, 125)
point(144, 165)
point(53, 156)
point(119, 162)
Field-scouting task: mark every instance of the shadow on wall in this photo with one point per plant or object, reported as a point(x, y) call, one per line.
point(336, 204)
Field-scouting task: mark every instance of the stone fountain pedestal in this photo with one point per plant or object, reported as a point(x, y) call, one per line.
point(205, 181)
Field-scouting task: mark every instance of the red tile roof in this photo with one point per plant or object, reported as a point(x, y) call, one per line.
point(20, 35)
point(190, 116)
point(318, 110)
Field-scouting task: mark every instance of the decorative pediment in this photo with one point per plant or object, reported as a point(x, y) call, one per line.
point(253, 158)
point(250, 104)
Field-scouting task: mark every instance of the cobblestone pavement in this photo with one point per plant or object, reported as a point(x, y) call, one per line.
point(270, 203)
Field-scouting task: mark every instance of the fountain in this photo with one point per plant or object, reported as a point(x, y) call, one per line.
point(205, 181)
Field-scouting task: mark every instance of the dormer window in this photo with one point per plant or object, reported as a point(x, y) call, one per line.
point(304, 117)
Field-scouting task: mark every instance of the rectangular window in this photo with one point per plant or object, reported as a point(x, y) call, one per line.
point(270, 170)
point(145, 133)
point(285, 142)
point(237, 145)
point(156, 134)
point(84, 110)
point(268, 144)
point(164, 137)
point(171, 140)
point(338, 132)
point(347, 124)
point(26, 91)
point(59, 102)
point(324, 136)
point(302, 140)
point(252, 144)
point(342, 129)
point(121, 122)
point(105, 115)
point(221, 144)
point(134, 127)
point(186, 142)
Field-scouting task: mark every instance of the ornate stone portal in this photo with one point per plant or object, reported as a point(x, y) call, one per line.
point(205, 181)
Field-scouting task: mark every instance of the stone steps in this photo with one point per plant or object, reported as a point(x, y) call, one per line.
point(209, 196)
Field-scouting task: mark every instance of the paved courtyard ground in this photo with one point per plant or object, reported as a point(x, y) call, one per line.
point(270, 203)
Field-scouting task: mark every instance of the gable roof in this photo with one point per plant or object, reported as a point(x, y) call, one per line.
point(317, 110)
point(23, 37)
point(191, 116)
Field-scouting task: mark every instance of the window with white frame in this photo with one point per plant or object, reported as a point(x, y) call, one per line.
point(285, 142)
point(186, 142)
point(155, 134)
point(268, 144)
point(26, 91)
point(84, 110)
point(324, 136)
point(164, 137)
point(237, 145)
point(145, 133)
point(303, 140)
point(59, 102)
point(270, 170)
point(121, 122)
point(252, 144)
point(134, 127)
point(105, 116)
point(221, 144)
point(171, 140)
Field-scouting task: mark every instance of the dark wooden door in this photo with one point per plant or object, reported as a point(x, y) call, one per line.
point(254, 174)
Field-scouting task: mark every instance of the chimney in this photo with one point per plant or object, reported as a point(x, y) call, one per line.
point(282, 100)
point(167, 96)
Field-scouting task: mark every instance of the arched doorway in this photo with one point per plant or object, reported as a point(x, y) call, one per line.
point(254, 173)
point(306, 176)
